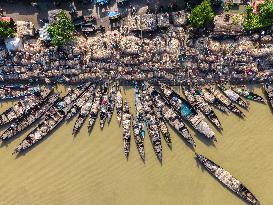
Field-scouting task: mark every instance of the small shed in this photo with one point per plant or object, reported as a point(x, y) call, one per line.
point(6, 19)
point(179, 18)
point(25, 28)
point(163, 20)
point(148, 22)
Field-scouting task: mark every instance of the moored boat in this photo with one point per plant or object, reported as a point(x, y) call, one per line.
point(111, 102)
point(233, 96)
point(245, 92)
point(23, 106)
point(51, 119)
point(95, 108)
point(138, 125)
point(226, 101)
point(228, 180)
point(8, 92)
point(126, 127)
point(170, 115)
point(119, 104)
point(188, 112)
point(80, 102)
point(152, 125)
point(269, 92)
point(27, 120)
point(103, 107)
point(84, 112)
point(199, 104)
point(211, 99)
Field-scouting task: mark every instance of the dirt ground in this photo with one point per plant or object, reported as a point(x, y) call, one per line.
point(22, 9)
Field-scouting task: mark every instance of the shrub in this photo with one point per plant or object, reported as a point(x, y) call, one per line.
point(6, 29)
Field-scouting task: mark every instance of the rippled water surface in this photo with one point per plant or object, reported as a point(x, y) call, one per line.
point(91, 169)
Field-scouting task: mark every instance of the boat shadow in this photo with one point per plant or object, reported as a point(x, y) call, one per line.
point(24, 152)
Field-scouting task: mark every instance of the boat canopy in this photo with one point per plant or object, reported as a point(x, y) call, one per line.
point(113, 14)
point(102, 2)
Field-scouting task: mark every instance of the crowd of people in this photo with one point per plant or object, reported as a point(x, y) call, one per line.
point(172, 55)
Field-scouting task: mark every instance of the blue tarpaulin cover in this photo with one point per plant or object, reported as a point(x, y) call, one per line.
point(102, 2)
point(113, 14)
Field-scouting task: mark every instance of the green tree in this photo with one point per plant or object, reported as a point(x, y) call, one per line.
point(202, 15)
point(6, 29)
point(263, 18)
point(62, 31)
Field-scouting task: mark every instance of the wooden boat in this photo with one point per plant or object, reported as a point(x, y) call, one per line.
point(103, 107)
point(170, 115)
point(163, 128)
point(245, 92)
point(23, 106)
point(199, 104)
point(80, 102)
point(8, 92)
point(233, 96)
point(188, 112)
point(51, 119)
point(211, 99)
point(111, 102)
point(138, 130)
point(28, 119)
point(152, 125)
point(126, 127)
point(226, 101)
point(269, 92)
point(84, 112)
point(95, 108)
point(119, 104)
point(138, 125)
point(228, 180)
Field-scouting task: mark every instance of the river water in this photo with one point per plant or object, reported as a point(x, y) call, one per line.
point(92, 169)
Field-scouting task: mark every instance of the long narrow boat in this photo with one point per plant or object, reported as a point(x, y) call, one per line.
point(199, 104)
point(226, 101)
point(233, 96)
point(51, 119)
point(269, 92)
point(228, 180)
point(111, 102)
point(119, 104)
point(17, 91)
point(80, 102)
point(152, 125)
point(163, 128)
point(188, 113)
point(84, 112)
point(23, 106)
point(104, 106)
point(95, 108)
point(126, 127)
point(138, 125)
point(28, 119)
point(170, 115)
point(211, 99)
point(245, 92)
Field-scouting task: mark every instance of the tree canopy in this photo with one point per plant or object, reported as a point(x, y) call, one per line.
point(62, 31)
point(260, 19)
point(6, 29)
point(202, 15)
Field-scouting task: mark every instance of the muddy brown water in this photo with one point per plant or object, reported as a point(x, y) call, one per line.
point(92, 169)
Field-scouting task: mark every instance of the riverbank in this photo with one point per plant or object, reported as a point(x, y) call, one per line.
point(92, 169)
